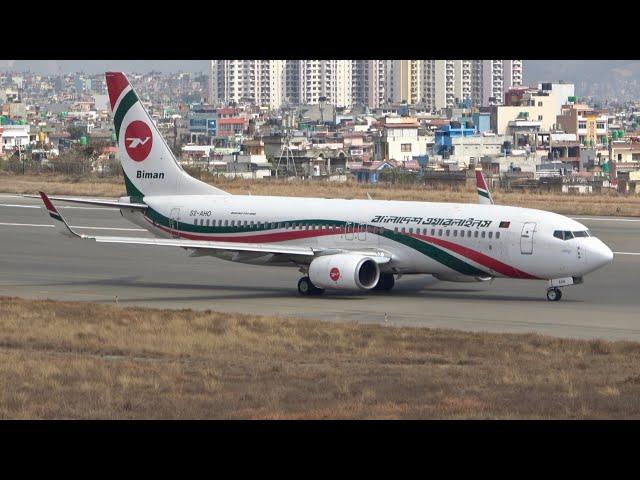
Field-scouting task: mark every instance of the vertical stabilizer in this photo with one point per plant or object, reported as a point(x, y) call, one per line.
point(147, 161)
point(484, 195)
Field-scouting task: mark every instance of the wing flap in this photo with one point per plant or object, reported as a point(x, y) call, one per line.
point(203, 244)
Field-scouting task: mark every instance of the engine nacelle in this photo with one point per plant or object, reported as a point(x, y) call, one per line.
point(344, 271)
point(456, 277)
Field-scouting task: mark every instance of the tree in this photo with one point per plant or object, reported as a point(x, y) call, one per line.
point(75, 132)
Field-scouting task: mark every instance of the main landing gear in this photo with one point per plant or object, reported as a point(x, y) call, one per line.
point(305, 287)
point(554, 294)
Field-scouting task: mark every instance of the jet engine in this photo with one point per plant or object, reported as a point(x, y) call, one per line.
point(344, 271)
point(456, 277)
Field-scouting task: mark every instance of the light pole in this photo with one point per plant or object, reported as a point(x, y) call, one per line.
point(18, 143)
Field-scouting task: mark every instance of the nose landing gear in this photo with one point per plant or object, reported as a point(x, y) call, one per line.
point(554, 294)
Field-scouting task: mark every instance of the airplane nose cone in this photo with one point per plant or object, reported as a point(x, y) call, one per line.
point(599, 255)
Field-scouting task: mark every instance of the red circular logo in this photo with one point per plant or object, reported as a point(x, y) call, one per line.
point(138, 140)
point(334, 274)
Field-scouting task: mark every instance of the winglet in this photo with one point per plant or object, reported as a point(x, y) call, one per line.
point(60, 223)
point(484, 195)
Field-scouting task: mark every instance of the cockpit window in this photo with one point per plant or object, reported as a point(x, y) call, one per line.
point(566, 235)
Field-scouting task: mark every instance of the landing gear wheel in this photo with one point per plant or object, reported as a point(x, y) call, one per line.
point(554, 294)
point(305, 287)
point(385, 282)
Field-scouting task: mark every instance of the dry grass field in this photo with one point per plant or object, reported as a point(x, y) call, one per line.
point(596, 204)
point(87, 360)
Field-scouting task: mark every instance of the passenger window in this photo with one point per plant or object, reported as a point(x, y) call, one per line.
point(483, 234)
point(440, 232)
point(396, 229)
point(433, 232)
point(195, 222)
point(207, 222)
point(226, 223)
point(497, 235)
point(455, 233)
point(475, 234)
point(219, 223)
point(286, 225)
point(233, 223)
point(468, 233)
point(490, 234)
point(448, 231)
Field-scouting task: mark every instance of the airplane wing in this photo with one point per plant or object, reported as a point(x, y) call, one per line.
point(484, 195)
point(63, 227)
point(101, 203)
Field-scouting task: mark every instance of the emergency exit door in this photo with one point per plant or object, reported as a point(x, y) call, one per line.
point(174, 221)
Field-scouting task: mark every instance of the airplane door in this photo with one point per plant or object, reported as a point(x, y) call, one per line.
point(526, 238)
point(348, 231)
point(362, 232)
point(174, 222)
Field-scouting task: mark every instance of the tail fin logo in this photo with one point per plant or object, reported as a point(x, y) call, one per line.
point(138, 140)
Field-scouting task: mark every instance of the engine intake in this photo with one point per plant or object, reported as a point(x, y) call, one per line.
point(344, 271)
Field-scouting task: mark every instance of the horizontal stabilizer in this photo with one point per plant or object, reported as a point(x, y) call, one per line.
point(90, 201)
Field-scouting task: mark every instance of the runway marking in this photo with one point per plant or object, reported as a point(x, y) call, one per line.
point(40, 206)
point(607, 219)
point(626, 253)
point(74, 226)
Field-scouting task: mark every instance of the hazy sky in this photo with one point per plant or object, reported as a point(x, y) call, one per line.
point(534, 70)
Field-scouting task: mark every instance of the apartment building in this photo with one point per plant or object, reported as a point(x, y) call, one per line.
point(536, 109)
point(591, 126)
point(404, 81)
point(255, 81)
point(439, 84)
point(369, 83)
point(435, 84)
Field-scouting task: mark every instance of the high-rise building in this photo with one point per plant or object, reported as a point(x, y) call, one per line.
point(369, 82)
point(404, 81)
point(494, 78)
point(255, 81)
point(328, 79)
point(434, 84)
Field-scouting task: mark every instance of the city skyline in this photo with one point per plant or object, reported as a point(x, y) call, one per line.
point(535, 70)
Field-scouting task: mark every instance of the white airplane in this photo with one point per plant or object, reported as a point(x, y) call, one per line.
point(336, 244)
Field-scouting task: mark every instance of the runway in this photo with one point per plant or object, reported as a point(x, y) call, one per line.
point(38, 262)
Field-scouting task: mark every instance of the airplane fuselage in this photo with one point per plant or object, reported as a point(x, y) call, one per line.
point(447, 239)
